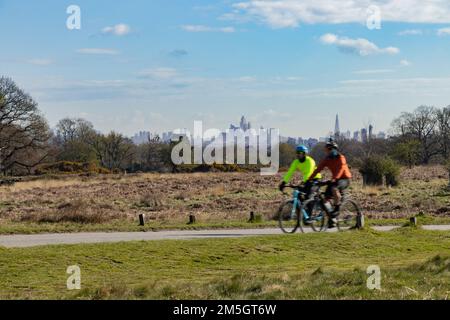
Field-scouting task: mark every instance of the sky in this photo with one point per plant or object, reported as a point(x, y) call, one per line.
point(159, 65)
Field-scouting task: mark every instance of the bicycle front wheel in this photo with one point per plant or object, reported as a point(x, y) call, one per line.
point(317, 215)
point(350, 216)
point(289, 217)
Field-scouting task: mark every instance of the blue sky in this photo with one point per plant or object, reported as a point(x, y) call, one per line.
point(159, 65)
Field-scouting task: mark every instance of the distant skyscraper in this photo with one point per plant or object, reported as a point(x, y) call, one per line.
point(371, 136)
point(337, 127)
point(348, 135)
point(244, 124)
point(364, 137)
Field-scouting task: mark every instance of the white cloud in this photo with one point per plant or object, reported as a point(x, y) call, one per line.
point(405, 63)
point(159, 73)
point(247, 79)
point(444, 32)
point(97, 51)
point(291, 13)
point(40, 62)
point(117, 30)
point(202, 28)
point(410, 32)
point(373, 71)
point(361, 46)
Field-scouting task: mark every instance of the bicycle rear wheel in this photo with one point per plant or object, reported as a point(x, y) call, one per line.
point(316, 214)
point(350, 216)
point(289, 219)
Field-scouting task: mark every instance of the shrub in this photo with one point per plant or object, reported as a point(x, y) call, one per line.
point(68, 167)
point(377, 170)
point(391, 172)
point(372, 171)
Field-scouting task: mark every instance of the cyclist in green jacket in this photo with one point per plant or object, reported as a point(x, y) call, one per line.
point(306, 165)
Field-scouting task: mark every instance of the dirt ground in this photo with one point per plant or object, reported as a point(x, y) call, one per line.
point(210, 196)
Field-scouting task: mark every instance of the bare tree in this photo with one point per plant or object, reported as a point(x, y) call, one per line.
point(443, 118)
point(113, 150)
point(23, 130)
point(420, 125)
point(69, 130)
point(74, 138)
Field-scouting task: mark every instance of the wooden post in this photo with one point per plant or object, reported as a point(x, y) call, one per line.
point(192, 219)
point(142, 219)
point(360, 221)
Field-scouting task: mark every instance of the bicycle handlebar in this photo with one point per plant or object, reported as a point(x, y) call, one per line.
point(318, 183)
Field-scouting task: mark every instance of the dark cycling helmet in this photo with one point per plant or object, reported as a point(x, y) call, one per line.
point(332, 145)
point(302, 149)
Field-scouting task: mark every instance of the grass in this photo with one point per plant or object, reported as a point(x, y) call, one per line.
point(415, 264)
point(61, 226)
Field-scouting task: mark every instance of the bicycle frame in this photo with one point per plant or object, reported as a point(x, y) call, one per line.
point(298, 204)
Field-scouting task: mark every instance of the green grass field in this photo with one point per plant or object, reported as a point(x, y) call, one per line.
point(415, 264)
point(8, 228)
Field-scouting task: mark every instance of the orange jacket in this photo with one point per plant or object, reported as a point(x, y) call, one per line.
point(338, 167)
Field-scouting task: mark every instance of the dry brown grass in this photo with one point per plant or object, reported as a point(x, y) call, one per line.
point(151, 201)
point(44, 184)
point(209, 196)
point(77, 211)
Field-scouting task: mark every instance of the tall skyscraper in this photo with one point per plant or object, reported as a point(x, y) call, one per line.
point(337, 127)
point(364, 137)
point(244, 124)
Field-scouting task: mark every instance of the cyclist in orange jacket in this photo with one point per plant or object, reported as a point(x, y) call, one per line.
point(337, 164)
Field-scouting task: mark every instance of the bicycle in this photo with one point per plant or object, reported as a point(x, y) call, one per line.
point(293, 214)
point(348, 217)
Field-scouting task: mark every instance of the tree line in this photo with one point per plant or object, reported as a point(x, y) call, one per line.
point(28, 145)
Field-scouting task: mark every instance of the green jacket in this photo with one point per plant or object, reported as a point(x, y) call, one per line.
point(306, 168)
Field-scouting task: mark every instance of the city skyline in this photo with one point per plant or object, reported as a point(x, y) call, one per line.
point(164, 65)
point(363, 134)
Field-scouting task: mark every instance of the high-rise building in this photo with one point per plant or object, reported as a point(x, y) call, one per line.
point(364, 137)
point(141, 137)
point(371, 136)
point(243, 124)
point(337, 127)
point(347, 135)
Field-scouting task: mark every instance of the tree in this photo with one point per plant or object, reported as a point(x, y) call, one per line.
point(407, 152)
point(74, 139)
point(420, 125)
point(113, 150)
point(23, 130)
point(443, 119)
point(157, 155)
point(287, 154)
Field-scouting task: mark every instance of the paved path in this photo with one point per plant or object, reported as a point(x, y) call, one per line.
point(24, 241)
